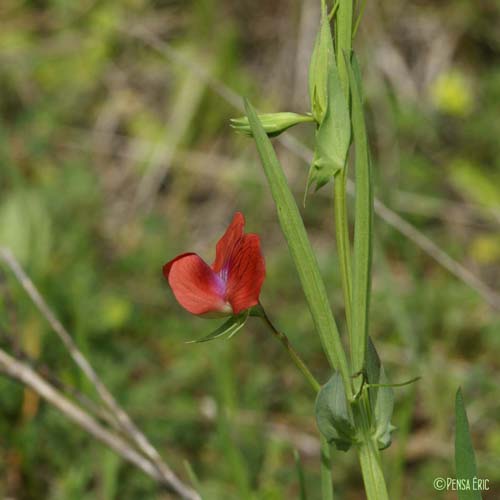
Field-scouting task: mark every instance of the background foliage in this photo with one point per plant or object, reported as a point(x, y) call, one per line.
point(115, 156)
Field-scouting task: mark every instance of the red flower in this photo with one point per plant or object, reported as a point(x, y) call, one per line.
point(231, 285)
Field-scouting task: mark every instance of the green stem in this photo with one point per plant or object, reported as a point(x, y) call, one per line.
point(343, 245)
point(369, 455)
point(343, 30)
point(326, 471)
point(363, 224)
point(371, 469)
point(291, 351)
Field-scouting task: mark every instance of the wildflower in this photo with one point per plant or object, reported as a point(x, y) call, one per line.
point(230, 285)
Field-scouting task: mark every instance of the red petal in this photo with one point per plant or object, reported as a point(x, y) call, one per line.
point(226, 245)
point(196, 287)
point(246, 273)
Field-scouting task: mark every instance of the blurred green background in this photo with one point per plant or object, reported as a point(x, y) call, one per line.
point(116, 154)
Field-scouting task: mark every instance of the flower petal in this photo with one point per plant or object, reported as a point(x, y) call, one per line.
point(246, 273)
point(195, 285)
point(226, 245)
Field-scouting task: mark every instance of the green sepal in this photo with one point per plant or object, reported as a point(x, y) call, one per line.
point(381, 398)
point(230, 328)
point(272, 123)
point(316, 175)
point(332, 414)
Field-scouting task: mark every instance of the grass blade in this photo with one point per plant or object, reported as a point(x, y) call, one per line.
point(300, 474)
point(465, 461)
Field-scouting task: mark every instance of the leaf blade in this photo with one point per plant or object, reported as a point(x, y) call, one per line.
point(300, 248)
point(465, 460)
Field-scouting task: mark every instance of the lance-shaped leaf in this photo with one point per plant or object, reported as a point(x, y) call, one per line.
point(363, 219)
point(381, 398)
point(230, 328)
point(318, 67)
point(300, 248)
point(333, 416)
point(333, 136)
point(465, 461)
point(273, 123)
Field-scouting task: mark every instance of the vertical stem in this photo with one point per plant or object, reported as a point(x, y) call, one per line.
point(326, 471)
point(343, 245)
point(343, 35)
point(369, 454)
point(371, 469)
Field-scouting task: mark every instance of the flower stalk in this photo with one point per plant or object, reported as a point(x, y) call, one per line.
point(282, 337)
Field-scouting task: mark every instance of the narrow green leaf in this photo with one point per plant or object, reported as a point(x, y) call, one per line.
point(357, 73)
point(362, 253)
point(300, 474)
point(361, 11)
point(230, 328)
point(465, 461)
point(300, 250)
point(333, 416)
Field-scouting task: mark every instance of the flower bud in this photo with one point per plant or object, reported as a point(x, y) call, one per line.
point(318, 68)
point(273, 123)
